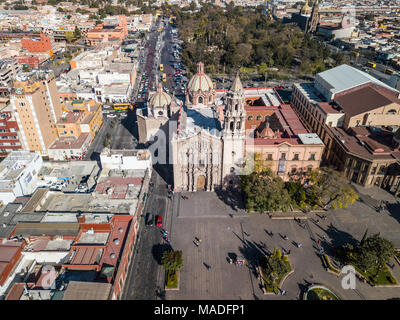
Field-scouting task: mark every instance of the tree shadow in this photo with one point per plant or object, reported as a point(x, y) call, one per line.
point(251, 251)
point(337, 238)
point(158, 251)
point(231, 197)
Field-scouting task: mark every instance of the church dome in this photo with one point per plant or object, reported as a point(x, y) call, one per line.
point(306, 8)
point(267, 133)
point(160, 98)
point(200, 81)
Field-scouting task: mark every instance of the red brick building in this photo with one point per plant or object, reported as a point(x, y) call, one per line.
point(9, 138)
point(35, 45)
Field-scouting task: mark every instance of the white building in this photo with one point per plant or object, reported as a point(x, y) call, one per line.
point(19, 174)
point(125, 159)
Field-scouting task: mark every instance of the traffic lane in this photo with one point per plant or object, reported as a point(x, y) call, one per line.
point(141, 283)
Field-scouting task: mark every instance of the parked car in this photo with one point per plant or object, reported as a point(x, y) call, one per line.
point(111, 116)
point(159, 221)
point(149, 219)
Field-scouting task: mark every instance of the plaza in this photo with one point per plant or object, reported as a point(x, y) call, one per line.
point(226, 231)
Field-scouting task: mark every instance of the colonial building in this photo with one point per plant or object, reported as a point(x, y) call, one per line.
point(160, 107)
point(218, 129)
point(358, 119)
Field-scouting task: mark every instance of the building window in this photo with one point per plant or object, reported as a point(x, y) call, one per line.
point(259, 117)
point(391, 111)
point(373, 170)
point(294, 169)
point(296, 156)
point(250, 118)
point(269, 156)
point(312, 156)
point(358, 123)
point(382, 170)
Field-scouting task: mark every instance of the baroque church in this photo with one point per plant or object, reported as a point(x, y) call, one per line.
point(208, 147)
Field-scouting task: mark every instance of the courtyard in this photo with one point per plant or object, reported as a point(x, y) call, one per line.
point(226, 231)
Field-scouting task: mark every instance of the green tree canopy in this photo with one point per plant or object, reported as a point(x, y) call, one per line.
point(264, 191)
point(172, 260)
point(375, 251)
point(332, 188)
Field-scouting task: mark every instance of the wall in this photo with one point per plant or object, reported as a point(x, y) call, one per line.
point(376, 117)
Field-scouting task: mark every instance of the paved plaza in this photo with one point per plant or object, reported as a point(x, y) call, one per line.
point(226, 232)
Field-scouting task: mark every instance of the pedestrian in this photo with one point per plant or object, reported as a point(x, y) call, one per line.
point(317, 221)
point(319, 241)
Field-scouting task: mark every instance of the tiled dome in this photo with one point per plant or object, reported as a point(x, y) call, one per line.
point(200, 81)
point(160, 98)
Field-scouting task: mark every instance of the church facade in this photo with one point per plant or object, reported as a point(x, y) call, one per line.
point(209, 145)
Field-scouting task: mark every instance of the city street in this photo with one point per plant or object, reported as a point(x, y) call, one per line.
point(145, 269)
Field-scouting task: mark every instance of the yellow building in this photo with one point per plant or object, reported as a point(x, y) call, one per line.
point(80, 117)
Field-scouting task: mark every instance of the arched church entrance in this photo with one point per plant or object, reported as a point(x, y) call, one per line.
point(201, 182)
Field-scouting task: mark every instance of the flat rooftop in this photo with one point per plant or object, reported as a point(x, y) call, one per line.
point(84, 202)
point(70, 142)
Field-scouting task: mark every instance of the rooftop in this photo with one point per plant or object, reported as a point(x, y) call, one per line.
point(365, 98)
point(345, 77)
point(71, 142)
point(79, 290)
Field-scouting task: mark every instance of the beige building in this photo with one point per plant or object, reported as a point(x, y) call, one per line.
point(36, 105)
point(358, 119)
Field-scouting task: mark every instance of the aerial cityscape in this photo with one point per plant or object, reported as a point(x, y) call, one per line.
point(200, 150)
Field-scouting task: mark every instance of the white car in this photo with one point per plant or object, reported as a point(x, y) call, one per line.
point(123, 115)
point(106, 106)
point(105, 111)
point(111, 116)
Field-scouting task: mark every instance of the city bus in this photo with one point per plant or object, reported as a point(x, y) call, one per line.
point(389, 71)
point(164, 77)
point(121, 107)
point(161, 67)
point(371, 64)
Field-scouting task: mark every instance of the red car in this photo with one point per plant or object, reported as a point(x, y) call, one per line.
point(159, 221)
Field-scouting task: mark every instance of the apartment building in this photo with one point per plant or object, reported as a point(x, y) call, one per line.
point(36, 107)
point(358, 119)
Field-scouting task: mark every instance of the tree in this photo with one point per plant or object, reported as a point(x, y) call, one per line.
point(172, 260)
point(77, 32)
point(264, 191)
point(69, 36)
point(377, 249)
point(332, 188)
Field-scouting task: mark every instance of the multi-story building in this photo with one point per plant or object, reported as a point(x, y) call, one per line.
point(36, 107)
point(357, 118)
point(280, 138)
point(112, 31)
point(19, 175)
point(44, 44)
point(9, 131)
point(8, 69)
point(93, 118)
